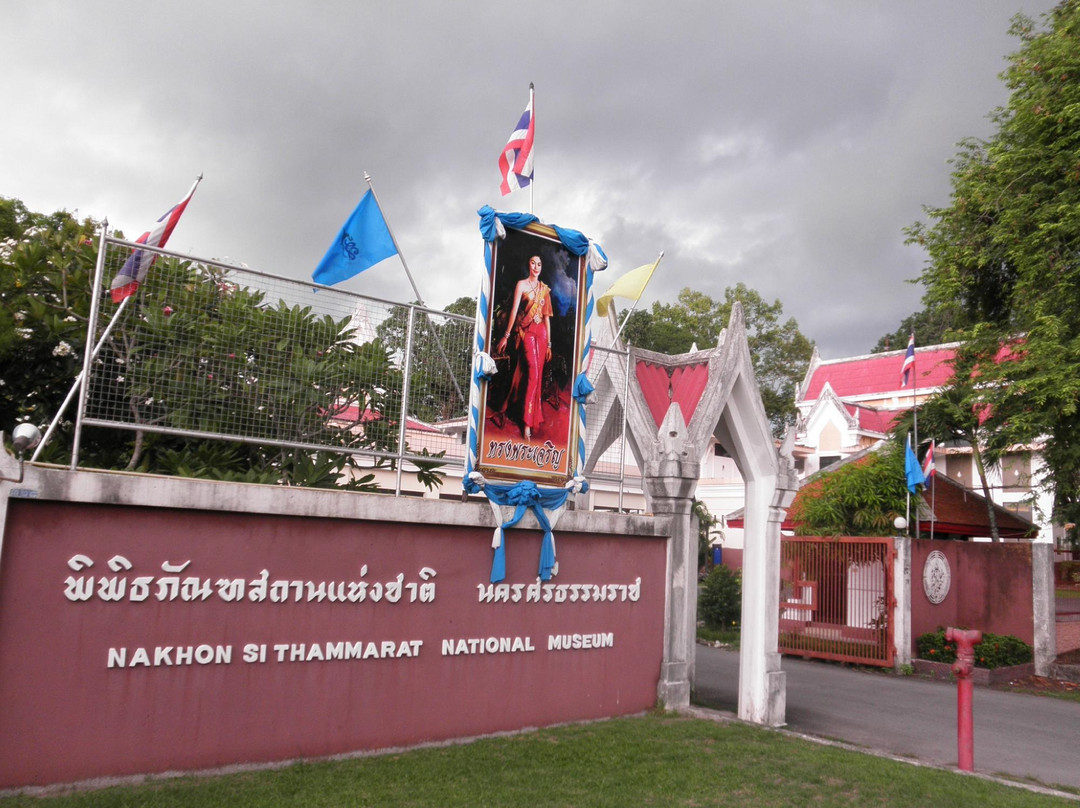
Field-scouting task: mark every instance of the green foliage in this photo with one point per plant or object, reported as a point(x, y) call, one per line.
point(860, 498)
point(931, 326)
point(1003, 256)
point(1067, 572)
point(46, 264)
point(195, 352)
point(720, 601)
point(705, 523)
point(779, 351)
point(440, 359)
point(995, 651)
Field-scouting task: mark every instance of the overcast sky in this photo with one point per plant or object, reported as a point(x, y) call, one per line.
point(782, 144)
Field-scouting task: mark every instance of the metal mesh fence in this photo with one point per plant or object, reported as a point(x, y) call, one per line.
point(615, 473)
point(209, 350)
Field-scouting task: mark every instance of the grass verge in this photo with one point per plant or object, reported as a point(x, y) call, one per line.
point(656, 760)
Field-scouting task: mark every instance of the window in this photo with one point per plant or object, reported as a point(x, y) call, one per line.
point(1020, 509)
point(1016, 472)
point(958, 467)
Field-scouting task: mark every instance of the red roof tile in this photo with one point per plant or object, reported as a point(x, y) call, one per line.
point(352, 414)
point(880, 373)
point(873, 420)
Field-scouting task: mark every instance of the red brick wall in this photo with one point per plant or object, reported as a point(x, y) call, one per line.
point(72, 710)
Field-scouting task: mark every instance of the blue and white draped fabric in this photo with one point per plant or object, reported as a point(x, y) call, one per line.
point(526, 496)
point(547, 504)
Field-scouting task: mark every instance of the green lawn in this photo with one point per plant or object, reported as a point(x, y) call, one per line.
point(654, 760)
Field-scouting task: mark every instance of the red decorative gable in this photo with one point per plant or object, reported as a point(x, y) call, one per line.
point(683, 384)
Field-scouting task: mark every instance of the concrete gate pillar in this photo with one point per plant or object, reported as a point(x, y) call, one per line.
point(676, 407)
point(901, 615)
point(1044, 606)
point(670, 481)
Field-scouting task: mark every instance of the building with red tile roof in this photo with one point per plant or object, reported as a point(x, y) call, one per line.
point(848, 405)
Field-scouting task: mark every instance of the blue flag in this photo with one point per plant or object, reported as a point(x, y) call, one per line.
point(912, 469)
point(364, 241)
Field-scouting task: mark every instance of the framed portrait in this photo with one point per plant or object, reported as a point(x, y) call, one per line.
point(528, 423)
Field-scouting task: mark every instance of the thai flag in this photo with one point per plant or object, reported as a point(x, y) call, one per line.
point(909, 362)
point(516, 160)
point(928, 462)
point(134, 270)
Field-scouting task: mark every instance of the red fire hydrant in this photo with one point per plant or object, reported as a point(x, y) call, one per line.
point(962, 670)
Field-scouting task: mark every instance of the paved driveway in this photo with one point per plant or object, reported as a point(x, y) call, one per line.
point(1023, 736)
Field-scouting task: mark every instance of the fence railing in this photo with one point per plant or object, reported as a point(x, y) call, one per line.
point(836, 598)
point(220, 352)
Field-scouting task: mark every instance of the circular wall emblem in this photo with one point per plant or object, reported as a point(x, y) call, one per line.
point(936, 577)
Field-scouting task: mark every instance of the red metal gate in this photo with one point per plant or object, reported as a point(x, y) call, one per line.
point(836, 598)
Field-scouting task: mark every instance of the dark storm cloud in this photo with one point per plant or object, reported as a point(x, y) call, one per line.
point(784, 145)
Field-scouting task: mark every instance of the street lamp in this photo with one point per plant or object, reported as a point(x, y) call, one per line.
point(25, 436)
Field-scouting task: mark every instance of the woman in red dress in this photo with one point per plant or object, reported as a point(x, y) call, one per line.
point(530, 321)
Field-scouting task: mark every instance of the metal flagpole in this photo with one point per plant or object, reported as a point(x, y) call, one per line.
point(91, 325)
point(907, 509)
point(915, 418)
point(532, 179)
point(933, 505)
point(89, 355)
point(626, 319)
point(95, 306)
point(434, 332)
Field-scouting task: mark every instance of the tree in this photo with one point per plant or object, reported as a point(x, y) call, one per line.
point(720, 602)
point(930, 327)
point(706, 522)
point(1003, 254)
point(778, 350)
point(46, 266)
point(194, 352)
point(860, 498)
point(441, 358)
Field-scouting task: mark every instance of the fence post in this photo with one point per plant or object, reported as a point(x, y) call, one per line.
point(901, 613)
point(406, 373)
point(1044, 606)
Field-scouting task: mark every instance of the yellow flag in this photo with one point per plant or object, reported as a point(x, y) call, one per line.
point(631, 286)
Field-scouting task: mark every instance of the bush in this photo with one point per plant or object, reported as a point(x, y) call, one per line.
point(1067, 572)
point(995, 651)
point(720, 602)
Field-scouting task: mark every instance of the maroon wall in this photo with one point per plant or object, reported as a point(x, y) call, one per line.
point(991, 589)
point(732, 557)
point(67, 715)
